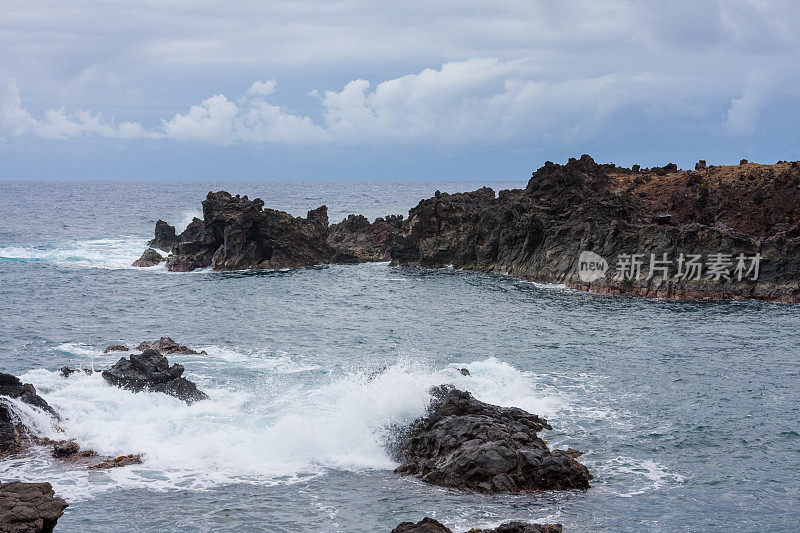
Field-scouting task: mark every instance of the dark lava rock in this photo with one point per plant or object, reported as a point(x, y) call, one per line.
point(65, 448)
point(429, 525)
point(149, 258)
point(464, 371)
point(165, 237)
point(167, 345)
point(29, 507)
point(12, 387)
point(426, 525)
point(468, 444)
point(116, 348)
point(14, 435)
point(151, 371)
point(238, 233)
point(357, 240)
point(521, 527)
point(539, 232)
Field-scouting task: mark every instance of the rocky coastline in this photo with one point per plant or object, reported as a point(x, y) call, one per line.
point(715, 233)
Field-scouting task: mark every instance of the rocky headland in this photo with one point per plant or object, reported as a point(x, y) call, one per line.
point(715, 232)
point(467, 444)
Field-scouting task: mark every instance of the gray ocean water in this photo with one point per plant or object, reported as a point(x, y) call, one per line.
point(688, 412)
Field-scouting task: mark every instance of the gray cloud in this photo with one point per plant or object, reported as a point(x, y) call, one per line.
point(446, 73)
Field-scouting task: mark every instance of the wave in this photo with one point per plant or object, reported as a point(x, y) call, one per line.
point(97, 253)
point(268, 430)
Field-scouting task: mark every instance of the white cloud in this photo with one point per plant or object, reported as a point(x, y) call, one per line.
point(57, 123)
point(473, 102)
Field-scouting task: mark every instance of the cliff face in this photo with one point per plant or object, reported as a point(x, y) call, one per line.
point(628, 218)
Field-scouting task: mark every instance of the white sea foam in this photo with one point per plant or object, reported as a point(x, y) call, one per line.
point(96, 253)
point(278, 430)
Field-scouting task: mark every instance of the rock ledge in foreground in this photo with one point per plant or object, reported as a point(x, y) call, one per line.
point(29, 507)
point(468, 444)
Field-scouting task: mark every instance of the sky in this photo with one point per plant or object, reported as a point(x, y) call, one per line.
point(168, 89)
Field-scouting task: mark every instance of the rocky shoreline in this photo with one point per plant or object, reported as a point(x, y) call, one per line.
point(716, 232)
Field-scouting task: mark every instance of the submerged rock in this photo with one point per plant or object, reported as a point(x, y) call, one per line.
point(167, 345)
point(150, 371)
point(149, 258)
point(468, 444)
point(29, 507)
point(429, 525)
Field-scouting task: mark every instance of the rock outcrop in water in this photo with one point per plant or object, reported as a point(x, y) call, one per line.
point(29, 507)
point(468, 444)
point(430, 525)
point(14, 435)
point(167, 345)
point(151, 371)
point(149, 258)
point(237, 233)
point(717, 232)
point(661, 215)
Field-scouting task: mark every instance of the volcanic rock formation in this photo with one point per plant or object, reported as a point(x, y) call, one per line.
point(468, 444)
point(150, 371)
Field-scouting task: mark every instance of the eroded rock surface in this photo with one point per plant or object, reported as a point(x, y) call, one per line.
point(29, 507)
point(151, 371)
point(237, 233)
point(357, 240)
point(14, 435)
point(539, 232)
point(468, 444)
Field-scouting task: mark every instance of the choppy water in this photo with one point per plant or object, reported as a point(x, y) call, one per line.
point(689, 413)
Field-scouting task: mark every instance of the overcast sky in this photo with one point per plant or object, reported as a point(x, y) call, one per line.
point(373, 89)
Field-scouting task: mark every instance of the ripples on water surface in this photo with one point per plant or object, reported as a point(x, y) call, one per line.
point(688, 412)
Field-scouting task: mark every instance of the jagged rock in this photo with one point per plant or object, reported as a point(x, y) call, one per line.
point(12, 387)
point(14, 435)
point(149, 258)
point(356, 240)
point(150, 371)
point(193, 232)
point(29, 507)
point(700, 165)
point(468, 444)
point(165, 237)
point(238, 233)
point(167, 345)
point(464, 372)
point(429, 525)
point(116, 348)
point(538, 233)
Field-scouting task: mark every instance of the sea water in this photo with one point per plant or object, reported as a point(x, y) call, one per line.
point(688, 412)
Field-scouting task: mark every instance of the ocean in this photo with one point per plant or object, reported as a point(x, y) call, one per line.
point(688, 412)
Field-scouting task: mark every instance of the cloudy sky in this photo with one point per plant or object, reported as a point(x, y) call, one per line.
point(374, 89)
